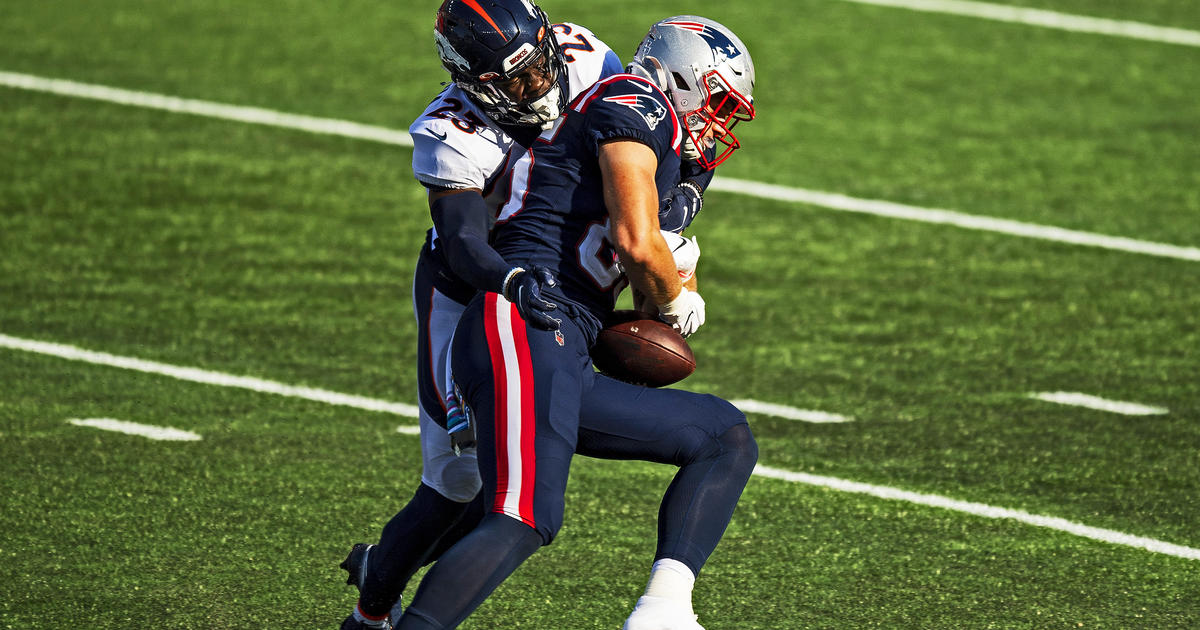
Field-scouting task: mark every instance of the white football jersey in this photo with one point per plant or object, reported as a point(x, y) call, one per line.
point(456, 145)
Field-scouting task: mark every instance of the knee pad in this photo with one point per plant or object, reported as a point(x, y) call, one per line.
point(734, 443)
point(545, 535)
point(740, 440)
point(456, 478)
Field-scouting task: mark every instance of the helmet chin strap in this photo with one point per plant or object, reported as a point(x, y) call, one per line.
point(689, 151)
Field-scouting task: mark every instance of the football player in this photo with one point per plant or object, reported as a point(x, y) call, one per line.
point(513, 74)
point(584, 195)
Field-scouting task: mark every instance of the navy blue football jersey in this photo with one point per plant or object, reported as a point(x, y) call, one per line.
point(555, 216)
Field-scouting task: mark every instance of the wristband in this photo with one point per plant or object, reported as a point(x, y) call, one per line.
point(508, 278)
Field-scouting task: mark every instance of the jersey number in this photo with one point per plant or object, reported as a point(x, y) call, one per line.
point(467, 123)
point(598, 258)
point(583, 44)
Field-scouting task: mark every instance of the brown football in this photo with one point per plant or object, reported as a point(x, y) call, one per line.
point(638, 348)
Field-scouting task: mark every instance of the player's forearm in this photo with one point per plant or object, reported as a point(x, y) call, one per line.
point(462, 222)
point(650, 267)
point(631, 197)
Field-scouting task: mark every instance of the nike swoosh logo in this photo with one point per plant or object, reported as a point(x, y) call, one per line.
point(643, 87)
point(439, 136)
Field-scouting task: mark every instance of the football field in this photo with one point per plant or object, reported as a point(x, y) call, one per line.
point(953, 278)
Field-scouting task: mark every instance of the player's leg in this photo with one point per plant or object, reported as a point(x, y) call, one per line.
point(449, 482)
point(709, 440)
point(522, 389)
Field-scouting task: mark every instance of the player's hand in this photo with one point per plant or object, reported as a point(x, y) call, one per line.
point(524, 289)
point(685, 313)
point(680, 206)
point(685, 251)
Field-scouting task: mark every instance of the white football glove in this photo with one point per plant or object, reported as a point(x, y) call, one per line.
point(686, 252)
point(685, 313)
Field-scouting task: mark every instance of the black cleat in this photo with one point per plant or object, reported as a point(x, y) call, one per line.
point(355, 566)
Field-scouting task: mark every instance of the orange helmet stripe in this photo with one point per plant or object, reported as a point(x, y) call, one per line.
point(478, 9)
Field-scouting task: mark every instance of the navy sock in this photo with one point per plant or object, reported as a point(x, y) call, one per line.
point(406, 543)
point(468, 572)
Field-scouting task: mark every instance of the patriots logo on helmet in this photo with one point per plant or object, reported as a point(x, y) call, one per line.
point(722, 47)
point(649, 108)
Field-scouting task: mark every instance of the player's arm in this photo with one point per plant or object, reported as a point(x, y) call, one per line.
point(463, 222)
point(630, 194)
point(681, 205)
point(627, 168)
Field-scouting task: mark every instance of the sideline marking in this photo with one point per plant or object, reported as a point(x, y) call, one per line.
point(1094, 402)
point(884, 492)
point(831, 201)
point(791, 413)
point(1048, 19)
point(133, 428)
point(197, 375)
point(984, 510)
point(409, 429)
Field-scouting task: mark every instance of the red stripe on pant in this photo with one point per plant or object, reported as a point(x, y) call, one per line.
point(515, 476)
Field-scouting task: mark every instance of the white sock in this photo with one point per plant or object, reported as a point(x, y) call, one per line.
point(673, 580)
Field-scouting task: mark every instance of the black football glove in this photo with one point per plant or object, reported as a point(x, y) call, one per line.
point(680, 206)
point(524, 289)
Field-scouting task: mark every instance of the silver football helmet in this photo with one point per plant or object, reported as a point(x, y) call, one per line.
point(707, 73)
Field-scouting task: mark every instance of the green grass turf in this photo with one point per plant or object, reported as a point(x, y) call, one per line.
point(1078, 130)
point(288, 256)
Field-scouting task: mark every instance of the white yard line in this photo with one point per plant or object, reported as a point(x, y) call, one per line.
point(983, 510)
point(133, 428)
point(790, 413)
point(884, 492)
point(252, 115)
point(197, 375)
point(831, 201)
point(1047, 19)
point(949, 217)
point(1077, 399)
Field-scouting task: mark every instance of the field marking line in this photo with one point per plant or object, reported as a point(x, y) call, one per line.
point(238, 113)
point(949, 217)
point(1077, 399)
point(983, 510)
point(790, 413)
point(831, 201)
point(1047, 19)
point(843, 485)
point(197, 375)
point(134, 428)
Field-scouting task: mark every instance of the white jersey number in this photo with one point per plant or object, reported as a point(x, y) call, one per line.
point(598, 258)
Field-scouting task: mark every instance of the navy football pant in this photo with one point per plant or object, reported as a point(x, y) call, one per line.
point(536, 400)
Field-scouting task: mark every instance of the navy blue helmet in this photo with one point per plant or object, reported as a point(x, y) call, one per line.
point(504, 54)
